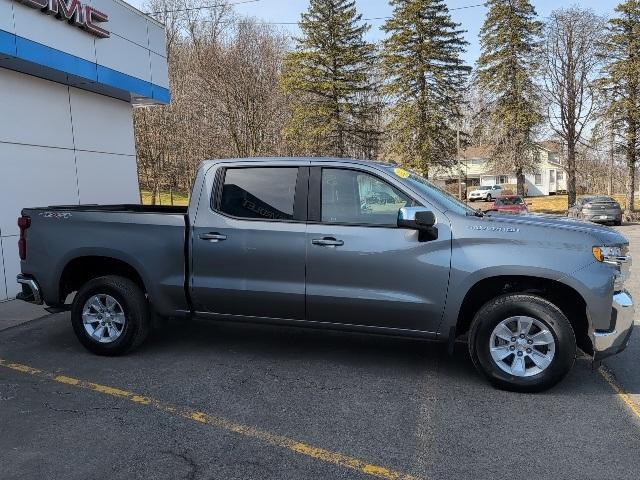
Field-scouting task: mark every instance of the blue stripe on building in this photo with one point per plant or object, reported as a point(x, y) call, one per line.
point(49, 62)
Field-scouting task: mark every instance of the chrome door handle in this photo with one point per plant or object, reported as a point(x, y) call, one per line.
point(213, 237)
point(327, 242)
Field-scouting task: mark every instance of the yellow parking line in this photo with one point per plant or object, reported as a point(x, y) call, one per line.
point(327, 456)
point(624, 396)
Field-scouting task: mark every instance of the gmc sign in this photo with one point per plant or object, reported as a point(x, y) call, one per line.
point(74, 12)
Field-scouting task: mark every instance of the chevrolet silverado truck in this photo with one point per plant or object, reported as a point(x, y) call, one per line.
point(337, 244)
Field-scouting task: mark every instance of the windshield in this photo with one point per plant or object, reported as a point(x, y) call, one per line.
point(430, 190)
point(601, 199)
point(510, 201)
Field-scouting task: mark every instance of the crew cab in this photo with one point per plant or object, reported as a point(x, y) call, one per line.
point(338, 244)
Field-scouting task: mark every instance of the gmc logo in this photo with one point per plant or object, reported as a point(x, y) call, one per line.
point(74, 12)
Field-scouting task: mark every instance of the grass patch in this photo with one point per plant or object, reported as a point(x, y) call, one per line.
point(180, 199)
point(554, 204)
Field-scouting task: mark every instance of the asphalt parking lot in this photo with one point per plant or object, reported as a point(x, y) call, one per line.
point(224, 401)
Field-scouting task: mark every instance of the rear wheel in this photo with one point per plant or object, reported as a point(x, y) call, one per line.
point(522, 343)
point(489, 198)
point(110, 315)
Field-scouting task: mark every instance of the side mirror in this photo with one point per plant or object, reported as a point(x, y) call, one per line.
point(418, 218)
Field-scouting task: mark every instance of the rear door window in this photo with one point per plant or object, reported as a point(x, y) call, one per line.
point(264, 193)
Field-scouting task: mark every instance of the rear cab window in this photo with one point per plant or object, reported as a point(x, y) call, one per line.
point(258, 193)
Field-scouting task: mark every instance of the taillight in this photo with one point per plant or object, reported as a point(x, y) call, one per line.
point(23, 224)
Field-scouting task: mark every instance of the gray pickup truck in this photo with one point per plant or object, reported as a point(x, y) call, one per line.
point(339, 244)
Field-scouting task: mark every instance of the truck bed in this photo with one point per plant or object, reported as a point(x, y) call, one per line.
point(149, 238)
point(123, 207)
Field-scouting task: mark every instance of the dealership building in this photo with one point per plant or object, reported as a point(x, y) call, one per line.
point(71, 72)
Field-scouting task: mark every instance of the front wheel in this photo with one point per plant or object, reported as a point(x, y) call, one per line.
point(489, 198)
point(110, 315)
point(522, 343)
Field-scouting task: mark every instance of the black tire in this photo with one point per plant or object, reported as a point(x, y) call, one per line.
point(489, 198)
point(505, 306)
point(617, 223)
point(137, 325)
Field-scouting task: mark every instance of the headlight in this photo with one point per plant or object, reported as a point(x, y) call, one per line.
point(618, 258)
point(607, 254)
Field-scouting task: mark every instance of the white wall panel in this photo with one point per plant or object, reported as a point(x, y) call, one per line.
point(124, 56)
point(48, 30)
point(101, 124)
point(124, 21)
point(159, 70)
point(11, 265)
point(34, 177)
point(107, 178)
point(6, 24)
point(3, 285)
point(23, 116)
point(157, 39)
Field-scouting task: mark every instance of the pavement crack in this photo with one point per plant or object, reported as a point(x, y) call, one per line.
point(192, 464)
point(62, 410)
point(80, 412)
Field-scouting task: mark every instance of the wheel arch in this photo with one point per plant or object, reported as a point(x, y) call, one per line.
point(565, 297)
point(79, 270)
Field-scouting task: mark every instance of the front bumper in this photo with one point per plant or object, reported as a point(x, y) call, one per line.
point(607, 343)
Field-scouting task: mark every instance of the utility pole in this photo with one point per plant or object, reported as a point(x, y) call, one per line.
point(612, 144)
point(459, 164)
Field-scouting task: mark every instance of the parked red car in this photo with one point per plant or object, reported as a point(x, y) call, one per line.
point(510, 204)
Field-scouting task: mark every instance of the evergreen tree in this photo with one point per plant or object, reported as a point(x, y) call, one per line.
point(421, 60)
point(622, 83)
point(329, 79)
point(509, 41)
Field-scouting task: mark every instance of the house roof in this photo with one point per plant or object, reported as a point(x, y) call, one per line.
point(551, 146)
point(476, 152)
point(484, 151)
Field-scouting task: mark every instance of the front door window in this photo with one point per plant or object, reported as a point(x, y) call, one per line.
point(358, 198)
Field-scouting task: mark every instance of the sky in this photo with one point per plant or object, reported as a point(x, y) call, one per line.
point(469, 13)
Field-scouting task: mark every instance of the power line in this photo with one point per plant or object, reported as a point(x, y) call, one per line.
point(266, 22)
point(370, 19)
point(202, 7)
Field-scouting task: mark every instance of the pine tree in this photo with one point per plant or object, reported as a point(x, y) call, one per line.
point(421, 59)
point(329, 80)
point(509, 41)
point(622, 83)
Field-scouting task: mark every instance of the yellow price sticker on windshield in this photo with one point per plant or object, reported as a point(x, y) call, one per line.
point(401, 172)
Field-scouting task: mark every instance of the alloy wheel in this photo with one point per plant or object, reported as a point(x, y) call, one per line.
point(103, 318)
point(522, 346)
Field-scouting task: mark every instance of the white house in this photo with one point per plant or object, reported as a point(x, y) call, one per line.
point(548, 179)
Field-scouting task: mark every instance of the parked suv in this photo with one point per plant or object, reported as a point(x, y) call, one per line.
point(486, 193)
point(295, 242)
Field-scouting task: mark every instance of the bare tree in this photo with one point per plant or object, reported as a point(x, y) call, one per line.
point(226, 101)
point(570, 66)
